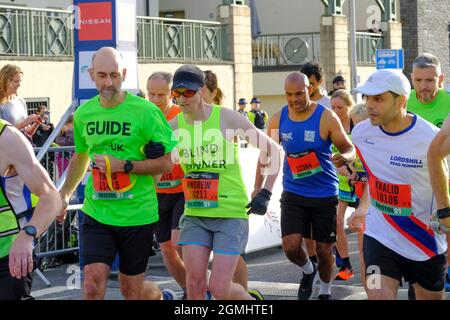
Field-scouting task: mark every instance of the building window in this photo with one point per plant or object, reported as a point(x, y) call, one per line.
point(34, 103)
point(172, 14)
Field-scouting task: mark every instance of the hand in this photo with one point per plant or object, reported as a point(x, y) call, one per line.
point(21, 256)
point(357, 220)
point(444, 225)
point(338, 160)
point(116, 164)
point(153, 150)
point(259, 203)
point(343, 171)
point(255, 192)
point(444, 219)
point(62, 214)
point(33, 118)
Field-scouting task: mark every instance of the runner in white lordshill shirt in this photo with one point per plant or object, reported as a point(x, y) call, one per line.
point(398, 239)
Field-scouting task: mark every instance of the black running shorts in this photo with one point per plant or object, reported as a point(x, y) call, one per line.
point(170, 210)
point(12, 288)
point(313, 218)
point(101, 242)
point(429, 274)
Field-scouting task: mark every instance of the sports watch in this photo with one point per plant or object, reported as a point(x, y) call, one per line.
point(128, 166)
point(31, 231)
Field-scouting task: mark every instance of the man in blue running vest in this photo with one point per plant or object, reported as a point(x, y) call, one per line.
point(306, 130)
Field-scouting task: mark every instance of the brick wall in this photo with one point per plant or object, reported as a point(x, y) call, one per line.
point(425, 29)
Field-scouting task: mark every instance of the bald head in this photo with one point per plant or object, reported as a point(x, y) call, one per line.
point(108, 54)
point(108, 73)
point(298, 77)
point(297, 90)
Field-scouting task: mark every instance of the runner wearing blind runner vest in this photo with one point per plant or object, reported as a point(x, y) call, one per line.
point(306, 130)
point(430, 102)
point(120, 203)
point(215, 217)
point(241, 273)
point(17, 232)
point(399, 240)
point(169, 187)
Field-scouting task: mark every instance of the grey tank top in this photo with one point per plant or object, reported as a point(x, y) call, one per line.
point(14, 111)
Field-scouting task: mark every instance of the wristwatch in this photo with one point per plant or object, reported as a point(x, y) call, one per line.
point(128, 166)
point(31, 231)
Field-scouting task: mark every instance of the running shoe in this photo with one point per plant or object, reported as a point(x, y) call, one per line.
point(255, 294)
point(324, 296)
point(168, 294)
point(344, 274)
point(447, 283)
point(306, 285)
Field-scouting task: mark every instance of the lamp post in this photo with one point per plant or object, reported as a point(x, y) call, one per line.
point(353, 56)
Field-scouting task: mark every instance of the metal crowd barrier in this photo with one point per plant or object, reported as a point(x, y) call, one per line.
point(60, 240)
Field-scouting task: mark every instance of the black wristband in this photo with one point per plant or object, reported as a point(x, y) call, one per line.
point(443, 213)
point(266, 193)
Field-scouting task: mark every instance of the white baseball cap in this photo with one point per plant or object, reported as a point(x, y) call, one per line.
point(385, 80)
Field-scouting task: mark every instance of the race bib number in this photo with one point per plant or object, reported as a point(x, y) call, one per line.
point(171, 179)
point(304, 164)
point(102, 191)
point(391, 199)
point(201, 190)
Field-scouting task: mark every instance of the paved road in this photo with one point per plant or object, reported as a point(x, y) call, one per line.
point(269, 271)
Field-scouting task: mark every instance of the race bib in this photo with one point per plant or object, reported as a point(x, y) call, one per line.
point(304, 164)
point(171, 179)
point(119, 181)
point(391, 199)
point(201, 190)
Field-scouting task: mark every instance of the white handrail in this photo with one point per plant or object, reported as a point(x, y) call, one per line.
point(34, 9)
point(178, 20)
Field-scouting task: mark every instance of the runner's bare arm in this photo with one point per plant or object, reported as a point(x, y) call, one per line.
point(75, 173)
point(272, 131)
point(357, 219)
point(21, 156)
point(438, 150)
point(270, 154)
point(142, 167)
point(340, 139)
point(174, 123)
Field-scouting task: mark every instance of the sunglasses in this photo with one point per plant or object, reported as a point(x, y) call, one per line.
point(186, 93)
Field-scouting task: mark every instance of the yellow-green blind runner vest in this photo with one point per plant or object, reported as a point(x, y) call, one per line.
point(213, 184)
point(9, 225)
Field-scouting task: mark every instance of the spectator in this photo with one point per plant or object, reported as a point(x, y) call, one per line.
point(213, 94)
point(257, 116)
point(12, 107)
point(338, 83)
point(43, 130)
point(65, 139)
point(314, 72)
point(141, 94)
point(242, 104)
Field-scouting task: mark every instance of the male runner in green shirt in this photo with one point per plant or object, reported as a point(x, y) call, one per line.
point(430, 101)
point(120, 203)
